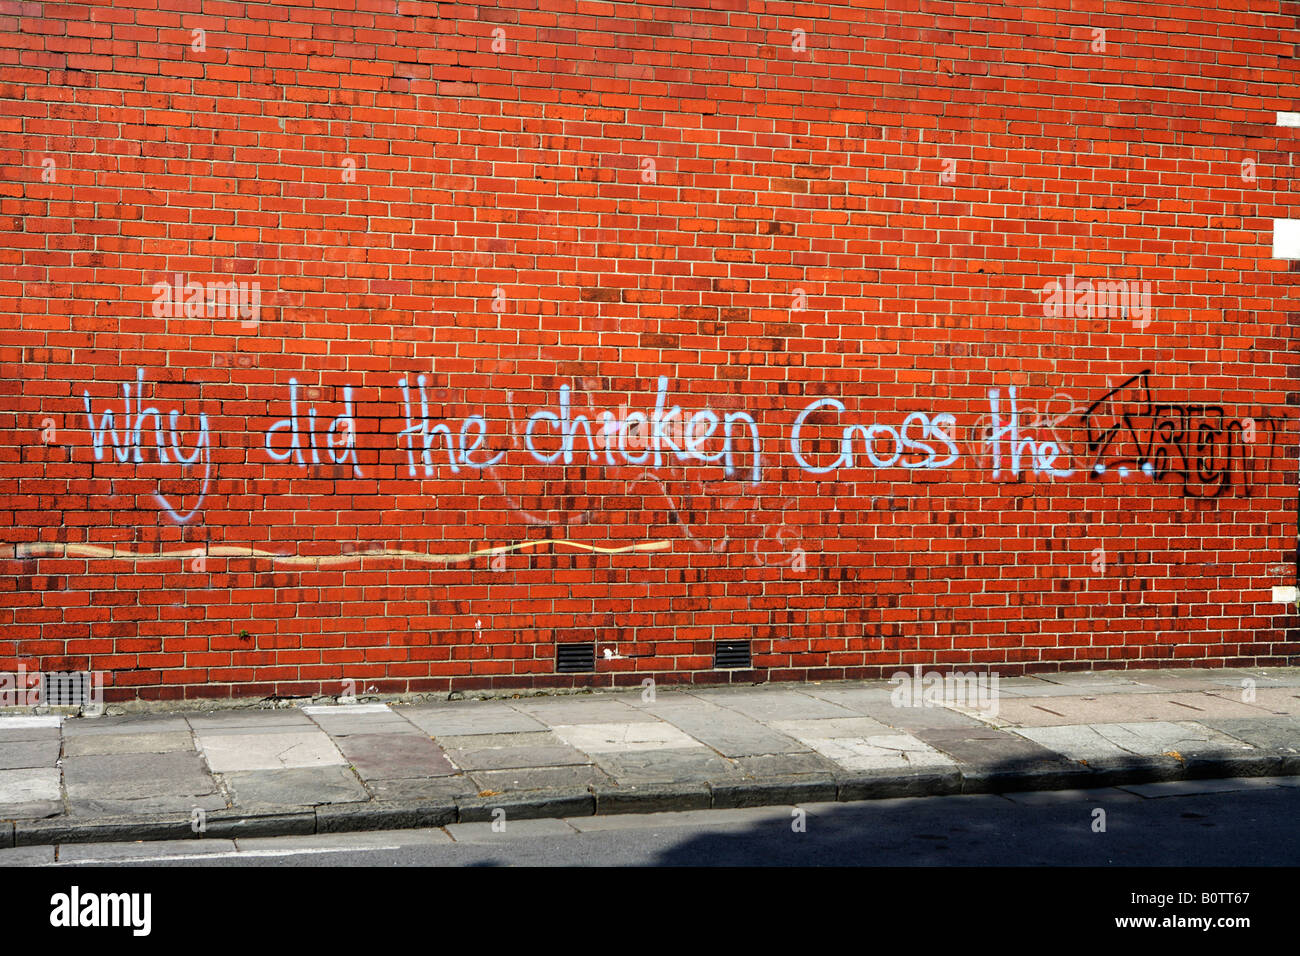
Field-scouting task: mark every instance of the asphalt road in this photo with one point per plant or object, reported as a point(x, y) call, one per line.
point(1250, 822)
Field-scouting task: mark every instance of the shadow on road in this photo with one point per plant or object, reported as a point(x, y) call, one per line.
point(1256, 827)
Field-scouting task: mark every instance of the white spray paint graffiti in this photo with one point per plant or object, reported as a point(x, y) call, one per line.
point(1042, 454)
point(663, 445)
point(902, 442)
point(340, 438)
point(1039, 420)
point(428, 430)
point(667, 427)
point(127, 445)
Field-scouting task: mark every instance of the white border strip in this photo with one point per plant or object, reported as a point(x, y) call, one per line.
point(328, 709)
point(1286, 238)
point(14, 723)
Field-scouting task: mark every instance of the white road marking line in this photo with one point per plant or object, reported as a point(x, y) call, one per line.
point(228, 854)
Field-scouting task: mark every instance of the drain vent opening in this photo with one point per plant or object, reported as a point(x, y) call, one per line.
point(66, 688)
point(731, 654)
point(575, 658)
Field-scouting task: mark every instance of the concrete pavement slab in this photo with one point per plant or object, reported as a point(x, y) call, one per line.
point(1233, 676)
point(392, 756)
point(252, 730)
point(911, 719)
point(338, 727)
point(510, 751)
point(29, 784)
point(281, 720)
point(736, 740)
point(528, 738)
point(693, 765)
point(353, 719)
point(622, 738)
point(90, 807)
point(1030, 712)
point(730, 733)
point(1286, 678)
point(1202, 705)
point(832, 727)
point(125, 724)
point(1166, 681)
point(1129, 708)
point(1019, 682)
point(133, 743)
point(636, 697)
point(773, 705)
point(760, 766)
point(32, 810)
point(1089, 678)
point(131, 776)
point(1265, 733)
point(853, 697)
point(229, 752)
point(19, 754)
point(880, 752)
point(1154, 738)
point(509, 758)
point(989, 748)
point(1045, 689)
point(29, 734)
point(1197, 739)
point(294, 787)
point(539, 778)
point(1080, 741)
point(874, 749)
point(577, 710)
point(1037, 687)
point(470, 718)
point(1275, 700)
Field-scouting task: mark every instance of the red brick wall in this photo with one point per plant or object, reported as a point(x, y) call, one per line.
point(890, 206)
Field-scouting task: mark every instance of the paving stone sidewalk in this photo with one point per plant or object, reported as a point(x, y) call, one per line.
point(316, 768)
